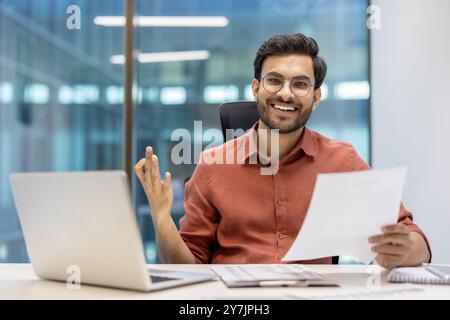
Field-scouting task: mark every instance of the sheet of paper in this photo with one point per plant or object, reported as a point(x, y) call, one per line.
point(345, 210)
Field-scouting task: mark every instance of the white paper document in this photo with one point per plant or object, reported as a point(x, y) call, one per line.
point(270, 275)
point(345, 210)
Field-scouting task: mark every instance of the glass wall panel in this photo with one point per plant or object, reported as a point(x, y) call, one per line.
point(60, 96)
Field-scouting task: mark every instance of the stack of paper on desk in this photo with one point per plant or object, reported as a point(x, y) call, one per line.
point(345, 210)
point(269, 275)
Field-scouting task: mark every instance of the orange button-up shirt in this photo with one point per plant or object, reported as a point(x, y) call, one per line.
point(235, 215)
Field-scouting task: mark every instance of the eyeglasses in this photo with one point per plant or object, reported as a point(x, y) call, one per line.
point(298, 87)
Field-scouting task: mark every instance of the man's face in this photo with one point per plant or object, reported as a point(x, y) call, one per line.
point(287, 67)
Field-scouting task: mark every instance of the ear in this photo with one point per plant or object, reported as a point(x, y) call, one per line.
point(255, 87)
point(316, 98)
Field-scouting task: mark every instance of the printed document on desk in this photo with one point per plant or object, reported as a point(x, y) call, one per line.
point(270, 275)
point(345, 210)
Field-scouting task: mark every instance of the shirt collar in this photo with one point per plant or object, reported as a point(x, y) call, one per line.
point(307, 143)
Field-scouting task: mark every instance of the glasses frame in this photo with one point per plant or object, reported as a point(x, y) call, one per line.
point(282, 85)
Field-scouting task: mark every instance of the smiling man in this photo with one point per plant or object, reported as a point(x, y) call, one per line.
point(233, 213)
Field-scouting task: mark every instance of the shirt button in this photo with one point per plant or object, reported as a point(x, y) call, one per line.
point(281, 235)
point(279, 203)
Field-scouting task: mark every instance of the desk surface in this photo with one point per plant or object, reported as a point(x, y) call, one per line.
point(17, 281)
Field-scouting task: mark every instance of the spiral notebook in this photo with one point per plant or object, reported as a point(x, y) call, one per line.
point(426, 274)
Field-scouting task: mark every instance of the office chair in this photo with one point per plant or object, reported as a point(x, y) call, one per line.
point(242, 115)
point(237, 115)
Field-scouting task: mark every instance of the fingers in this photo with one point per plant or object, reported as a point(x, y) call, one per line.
point(147, 171)
point(396, 233)
point(393, 246)
point(148, 162)
point(139, 169)
point(156, 177)
point(389, 249)
point(394, 238)
point(389, 261)
point(168, 183)
point(395, 228)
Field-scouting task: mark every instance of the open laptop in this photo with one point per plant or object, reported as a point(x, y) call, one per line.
point(85, 222)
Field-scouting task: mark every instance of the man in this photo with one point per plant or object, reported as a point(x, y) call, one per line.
point(235, 214)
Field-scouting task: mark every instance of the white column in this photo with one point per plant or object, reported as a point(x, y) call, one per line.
point(411, 108)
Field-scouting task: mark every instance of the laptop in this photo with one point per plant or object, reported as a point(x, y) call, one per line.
point(84, 222)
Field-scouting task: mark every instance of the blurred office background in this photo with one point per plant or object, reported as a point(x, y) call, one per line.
point(62, 91)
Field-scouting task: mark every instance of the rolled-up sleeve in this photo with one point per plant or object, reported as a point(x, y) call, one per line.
point(199, 224)
point(405, 217)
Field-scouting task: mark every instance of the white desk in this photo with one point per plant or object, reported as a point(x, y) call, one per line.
point(17, 281)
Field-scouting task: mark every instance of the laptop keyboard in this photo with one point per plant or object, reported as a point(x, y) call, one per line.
point(156, 279)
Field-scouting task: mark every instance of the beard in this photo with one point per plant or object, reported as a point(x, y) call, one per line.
point(283, 124)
